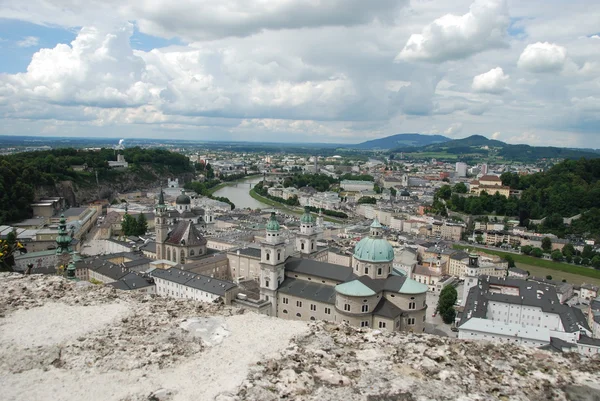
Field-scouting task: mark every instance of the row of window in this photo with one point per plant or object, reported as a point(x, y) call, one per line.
point(379, 270)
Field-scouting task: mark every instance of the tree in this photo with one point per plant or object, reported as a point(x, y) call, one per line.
point(8, 248)
point(556, 255)
point(526, 249)
point(569, 258)
point(537, 252)
point(577, 260)
point(585, 261)
point(547, 244)
point(367, 199)
point(142, 224)
point(588, 252)
point(596, 261)
point(568, 249)
point(129, 225)
point(445, 307)
point(510, 260)
point(445, 192)
point(393, 191)
point(377, 188)
point(460, 188)
point(549, 277)
point(479, 239)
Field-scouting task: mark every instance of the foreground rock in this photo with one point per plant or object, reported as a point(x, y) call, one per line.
point(69, 343)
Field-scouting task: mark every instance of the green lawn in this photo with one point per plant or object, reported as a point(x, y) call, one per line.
point(543, 263)
point(558, 275)
point(287, 208)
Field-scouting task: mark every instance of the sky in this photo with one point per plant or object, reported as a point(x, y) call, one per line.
point(338, 71)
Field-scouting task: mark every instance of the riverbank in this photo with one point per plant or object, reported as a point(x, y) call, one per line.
point(543, 267)
point(226, 183)
point(288, 209)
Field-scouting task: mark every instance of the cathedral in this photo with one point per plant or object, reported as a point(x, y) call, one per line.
point(182, 240)
point(367, 294)
point(185, 211)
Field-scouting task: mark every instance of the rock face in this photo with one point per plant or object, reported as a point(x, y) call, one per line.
point(66, 341)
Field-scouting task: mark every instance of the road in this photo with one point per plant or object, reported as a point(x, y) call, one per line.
point(435, 325)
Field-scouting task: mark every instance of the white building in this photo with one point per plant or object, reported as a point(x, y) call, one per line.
point(461, 169)
point(519, 311)
point(178, 283)
point(356, 185)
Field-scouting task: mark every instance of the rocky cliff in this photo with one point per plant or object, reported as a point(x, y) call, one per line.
point(74, 341)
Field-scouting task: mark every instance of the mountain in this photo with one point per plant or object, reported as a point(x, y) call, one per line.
point(401, 140)
point(480, 147)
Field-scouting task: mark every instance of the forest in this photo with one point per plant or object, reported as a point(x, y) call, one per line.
point(569, 188)
point(22, 173)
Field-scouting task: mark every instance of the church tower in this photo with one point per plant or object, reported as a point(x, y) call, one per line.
point(64, 252)
point(160, 225)
point(471, 275)
point(272, 263)
point(306, 240)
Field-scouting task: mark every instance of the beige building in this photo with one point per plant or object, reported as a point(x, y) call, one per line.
point(364, 294)
point(490, 184)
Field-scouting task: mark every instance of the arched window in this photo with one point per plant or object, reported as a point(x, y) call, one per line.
point(192, 253)
point(181, 256)
point(312, 246)
point(285, 311)
point(278, 255)
point(268, 256)
point(379, 271)
point(168, 253)
point(302, 246)
point(312, 318)
point(298, 314)
point(366, 270)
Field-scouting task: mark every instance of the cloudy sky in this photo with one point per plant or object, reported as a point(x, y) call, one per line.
point(340, 71)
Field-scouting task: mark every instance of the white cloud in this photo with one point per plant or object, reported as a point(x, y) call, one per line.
point(454, 37)
point(493, 81)
point(496, 135)
point(543, 57)
point(28, 41)
point(205, 19)
point(454, 130)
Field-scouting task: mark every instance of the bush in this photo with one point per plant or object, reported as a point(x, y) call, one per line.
point(537, 252)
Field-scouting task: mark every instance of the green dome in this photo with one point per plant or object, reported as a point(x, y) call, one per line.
point(371, 249)
point(273, 224)
point(183, 199)
point(307, 217)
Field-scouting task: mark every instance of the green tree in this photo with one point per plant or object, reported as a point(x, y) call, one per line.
point(393, 191)
point(546, 244)
point(129, 225)
point(549, 277)
point(577, 260)
point(479, 239)
point(596, 261)
point(510, 260)
point(568, 249)
point(460, 188)
point(588, 252)
point(556, 255)
point(446, 301)
point(585, 261)
point(367, 200)
point(377, 188)
point(537, 252)
point(445, 192)
point(142, 224)
point(526, 249)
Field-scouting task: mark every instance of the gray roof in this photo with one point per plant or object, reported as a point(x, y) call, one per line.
point(185, 231)
point(589, 341)
point(132, 281)
point(517, 270)
point(74, 211)
point(193, 280)
point(387, 309)
point(251, 252)
point(558, 345)
point(530, 293)
point(315, 268)
point(307, 290)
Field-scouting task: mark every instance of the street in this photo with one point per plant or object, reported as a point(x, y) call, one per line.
point(435, 325)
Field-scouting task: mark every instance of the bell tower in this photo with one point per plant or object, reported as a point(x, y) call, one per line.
point(160, 226)
point(272, 263)
point(306, 240)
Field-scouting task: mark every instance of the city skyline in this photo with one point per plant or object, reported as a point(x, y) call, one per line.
point(294, 71)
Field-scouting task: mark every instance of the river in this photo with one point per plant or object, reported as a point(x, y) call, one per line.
point(238, 193)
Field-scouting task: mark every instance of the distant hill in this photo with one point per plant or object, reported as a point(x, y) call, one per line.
point(401, 140)
point(480, 147)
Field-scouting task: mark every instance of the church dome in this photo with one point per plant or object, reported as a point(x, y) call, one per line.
point(307, 218)
point(183, 199)
point(374, 248)
point(273, 224)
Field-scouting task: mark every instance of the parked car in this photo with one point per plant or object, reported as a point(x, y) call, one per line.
point(454, 328)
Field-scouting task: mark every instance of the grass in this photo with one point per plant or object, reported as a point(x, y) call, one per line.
point(558, 275)
point(542, 263)
point(286, 208)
